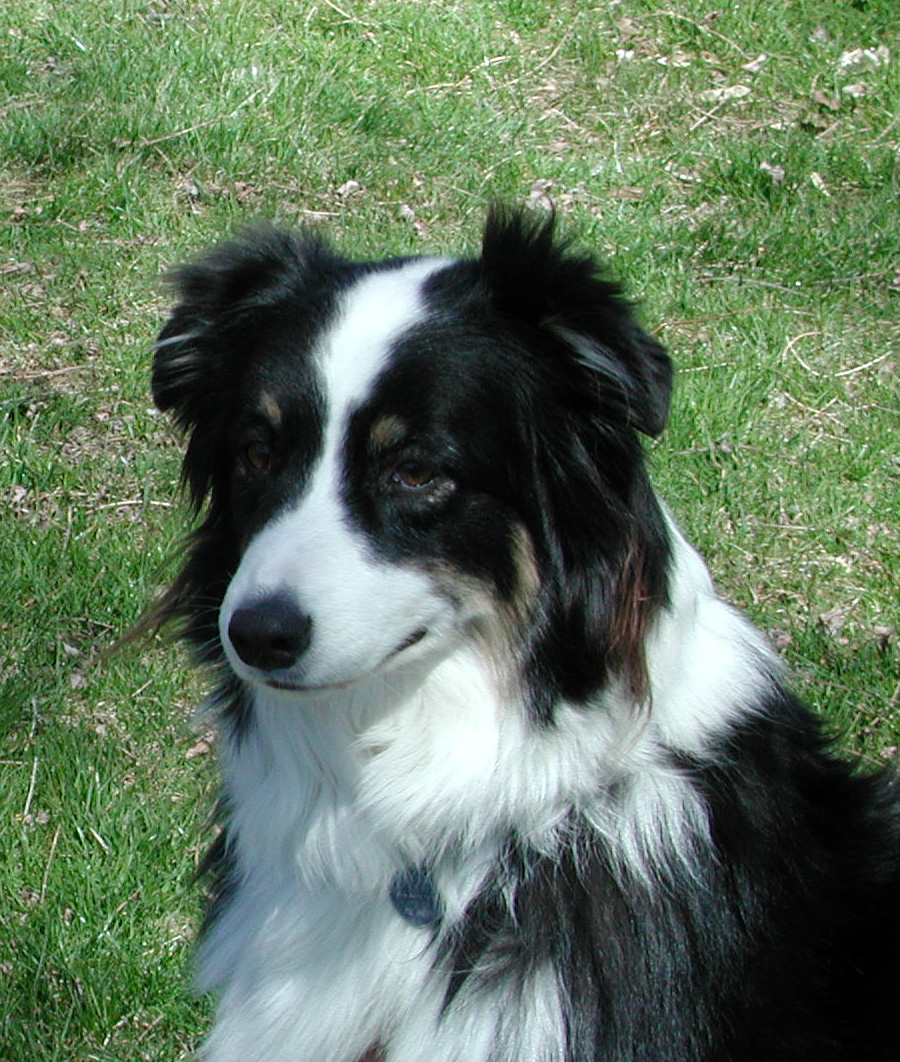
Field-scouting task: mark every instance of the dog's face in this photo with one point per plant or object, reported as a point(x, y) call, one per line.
point(361, 531)
point(404, 455)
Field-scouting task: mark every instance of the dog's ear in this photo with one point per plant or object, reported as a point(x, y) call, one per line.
point(218, 294)
point(535, 278)
point(203, 349)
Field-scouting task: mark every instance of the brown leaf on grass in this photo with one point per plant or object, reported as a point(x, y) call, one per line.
point(245, 192)
point(728, 92)
point(6, 268)
point(406, 213)
point(203, 747)
point(627, 193)
point(883, 635)
point(876, 57)
point(855, 91)
point(781, 638)
point(834, 619)
point(348, 188)
point(824, 100)
point(682, 173)
point(755, 65)
point(187, 187)
point(774, 171)
point(818, 181)
point(540, 194)
point(814, 122)
point(679, 59)
point(628, 27)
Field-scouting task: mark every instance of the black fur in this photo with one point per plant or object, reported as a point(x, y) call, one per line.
point(781, 943)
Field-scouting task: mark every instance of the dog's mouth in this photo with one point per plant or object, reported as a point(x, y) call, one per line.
point(408, 643)
point(297, 687)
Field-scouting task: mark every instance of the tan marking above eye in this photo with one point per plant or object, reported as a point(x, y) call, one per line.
point(270, 409)
point(387, 431)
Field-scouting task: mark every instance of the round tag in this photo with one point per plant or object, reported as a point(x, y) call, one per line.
point(415, 898)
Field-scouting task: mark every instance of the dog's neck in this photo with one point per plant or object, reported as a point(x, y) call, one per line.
point(402, 770)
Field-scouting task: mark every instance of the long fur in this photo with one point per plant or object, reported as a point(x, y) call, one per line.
point(455, 634)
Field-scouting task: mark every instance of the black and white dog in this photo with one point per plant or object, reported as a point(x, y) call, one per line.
point(504, 779)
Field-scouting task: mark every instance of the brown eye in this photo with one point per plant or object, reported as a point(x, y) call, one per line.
point(413, 474)
point(258, 455)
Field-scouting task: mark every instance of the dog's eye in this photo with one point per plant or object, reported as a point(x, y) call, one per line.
point(413, 474)
point(258, 455)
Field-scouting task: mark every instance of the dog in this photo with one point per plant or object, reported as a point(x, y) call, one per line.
point(504, 780)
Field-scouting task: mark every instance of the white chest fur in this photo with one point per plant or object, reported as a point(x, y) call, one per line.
point(332, 795)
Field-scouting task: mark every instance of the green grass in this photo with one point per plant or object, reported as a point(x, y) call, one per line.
point(751, 202)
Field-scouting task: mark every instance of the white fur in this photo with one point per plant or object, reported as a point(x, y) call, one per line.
point(325, 813)
point(707, 661)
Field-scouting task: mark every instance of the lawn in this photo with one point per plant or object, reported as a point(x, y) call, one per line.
point(739, 168)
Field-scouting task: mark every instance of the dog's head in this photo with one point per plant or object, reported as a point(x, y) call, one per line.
point(398, 456)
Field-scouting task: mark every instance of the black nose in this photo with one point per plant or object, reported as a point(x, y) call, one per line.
point(271, 634)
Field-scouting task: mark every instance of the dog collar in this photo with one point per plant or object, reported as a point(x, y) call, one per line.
point(415, 897)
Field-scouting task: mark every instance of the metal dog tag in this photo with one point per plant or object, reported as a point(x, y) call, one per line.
point(415, 898)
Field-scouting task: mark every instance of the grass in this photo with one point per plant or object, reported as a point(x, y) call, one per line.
point(739, 167)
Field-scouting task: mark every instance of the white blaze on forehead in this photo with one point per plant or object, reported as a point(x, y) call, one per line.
point(371, 316)
point(361, 608)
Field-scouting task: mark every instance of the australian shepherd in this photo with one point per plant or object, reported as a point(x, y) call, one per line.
point(503, 779)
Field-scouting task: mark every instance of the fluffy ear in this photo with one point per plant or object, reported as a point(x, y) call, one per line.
point(218, 294)
point(534, 277)
point(204, 347)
